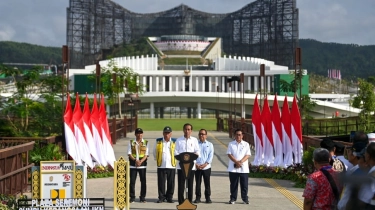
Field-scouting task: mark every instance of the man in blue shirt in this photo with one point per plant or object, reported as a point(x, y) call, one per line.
point(203, 166)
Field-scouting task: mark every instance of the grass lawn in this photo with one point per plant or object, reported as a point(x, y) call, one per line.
point(176, 124)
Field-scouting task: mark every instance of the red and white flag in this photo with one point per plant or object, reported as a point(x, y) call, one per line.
point(296, 132)
point(88, 131)
point(257, 133)
point(286, 128)
point(277, 134)
point(107, 142)
point(79, 132)
point(97, 133)
point(70, 139)
point(267, 134)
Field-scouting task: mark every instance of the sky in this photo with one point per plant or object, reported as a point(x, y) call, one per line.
point(43, 22)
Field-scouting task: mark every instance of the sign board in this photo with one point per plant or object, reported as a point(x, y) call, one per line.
point(57, 179)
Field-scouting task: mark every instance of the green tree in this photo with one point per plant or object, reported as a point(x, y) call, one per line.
point(116, 80)
point(365, 100)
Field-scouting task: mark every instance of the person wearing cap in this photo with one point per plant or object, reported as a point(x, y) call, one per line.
point(322, 189)
point(339, 151)
point(355, 156)
point(138, 154)
point(336, 164)
point(367, 191)
point(203, 166)
point(166, 163)
point(186, 143)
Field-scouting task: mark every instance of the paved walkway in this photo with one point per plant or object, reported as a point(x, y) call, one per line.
point(263, 193)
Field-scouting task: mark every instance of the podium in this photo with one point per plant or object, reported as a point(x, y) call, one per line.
point(186, 163)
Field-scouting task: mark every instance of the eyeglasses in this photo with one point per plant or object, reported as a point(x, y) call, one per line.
point(238, 134)
point(202, 134)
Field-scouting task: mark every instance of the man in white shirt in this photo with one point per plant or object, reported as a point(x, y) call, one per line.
point(138, 153)
point(238, 167)
point(203, 166)
point(166, 163)
point(186, 143)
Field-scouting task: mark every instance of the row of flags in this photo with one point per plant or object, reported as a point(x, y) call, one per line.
point(87, 135)
point(277, 136)
point(334, 74)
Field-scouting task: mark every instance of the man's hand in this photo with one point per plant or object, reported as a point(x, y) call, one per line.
point(138, 163)
point(238, 164)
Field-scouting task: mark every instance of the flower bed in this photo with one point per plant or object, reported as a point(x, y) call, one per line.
point(100, 172)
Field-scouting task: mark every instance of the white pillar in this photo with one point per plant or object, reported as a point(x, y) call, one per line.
point(202, 84)
point(150, 86)
point(170, 84)
point(222, 85)
point(256, 83)
point(152, 114)
point(249, 83)
point(199, 115)
point(210, 84)
point(216, 83)
point(196, 84)
point(183, 83)
point(190, 83)
point(144, 80)
point(269, 84)
point(177, 78)
point(163, 84)
point(157, 83)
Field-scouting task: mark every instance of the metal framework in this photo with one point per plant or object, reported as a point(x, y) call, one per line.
point(265, 28)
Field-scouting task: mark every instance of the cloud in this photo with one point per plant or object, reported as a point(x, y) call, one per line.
point(43, 22)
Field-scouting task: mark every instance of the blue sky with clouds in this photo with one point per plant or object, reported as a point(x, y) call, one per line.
point(43, 22)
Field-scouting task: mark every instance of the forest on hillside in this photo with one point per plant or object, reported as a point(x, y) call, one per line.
point(354, 61)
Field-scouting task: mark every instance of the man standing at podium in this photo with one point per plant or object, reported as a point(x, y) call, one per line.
point(186, 143)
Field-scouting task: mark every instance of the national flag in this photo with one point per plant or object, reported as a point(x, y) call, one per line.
point(79, 132)
point(107, 142)
point(267, 133)
point(257, 133)
point(70, 139)
point(88, 131)
point(296, 131)
point(97, 133)
point(277, 134)
point(286, 128)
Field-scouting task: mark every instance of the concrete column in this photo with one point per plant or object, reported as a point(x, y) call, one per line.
point(144, 80)
point(190, 83)
point(199, 110)
point(156, 112)
point(170, 84)
point(202, 84)
point(150, 87)
point(222, 85)
point(189, 112)
point(256, 83)
point(196, 84)
point(216, 83)
point(163, 84)
point(152, 114)
point(156, 83)
point(183, 84)
point(210, 84)
point(249, 83)
point(194, 112)
point(176, 79)
point(269, 83)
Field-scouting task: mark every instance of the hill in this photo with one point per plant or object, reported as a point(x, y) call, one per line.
point(353, 60)
point(317, 57)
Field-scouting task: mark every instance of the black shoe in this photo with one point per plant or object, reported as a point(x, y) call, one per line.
point(131, 200)
point(159, 201)
point(246, 202)
point(208, 201)
point(143, 201)
point(164, 200)
point(170, 201)
point(231, 202)
point(197, 201)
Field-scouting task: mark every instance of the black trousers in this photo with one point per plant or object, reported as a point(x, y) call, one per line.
point(166, 174)
point(243, 178)
point(206, 174)
point(181, 186)
point(142, 177)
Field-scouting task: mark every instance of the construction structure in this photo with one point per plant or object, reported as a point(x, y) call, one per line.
point(266, 29)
